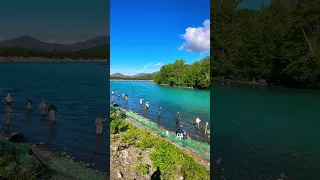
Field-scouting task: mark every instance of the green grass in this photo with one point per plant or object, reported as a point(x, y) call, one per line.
point(166, 156)
point(142, 169)
point(10, 169)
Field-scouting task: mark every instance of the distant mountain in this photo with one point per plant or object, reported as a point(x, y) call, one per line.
point(32, 43)
point(140, 75)
point(97, 41)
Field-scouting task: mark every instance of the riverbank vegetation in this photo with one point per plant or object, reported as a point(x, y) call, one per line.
point(196, 75)
point(163, 158)
point(16, 162)
point(98, 52)
point(150, 76)
point(279, 43)
point(10, 169)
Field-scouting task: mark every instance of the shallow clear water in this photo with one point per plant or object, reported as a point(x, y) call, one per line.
point(80, 92)
point(262, 132)
point(190, 104)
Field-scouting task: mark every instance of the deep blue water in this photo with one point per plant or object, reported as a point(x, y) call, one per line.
point(80, 92)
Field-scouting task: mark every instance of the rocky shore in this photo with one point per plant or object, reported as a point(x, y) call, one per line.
point(63, 165)
point(44, 59)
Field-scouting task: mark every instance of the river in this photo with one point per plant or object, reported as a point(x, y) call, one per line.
point(80, 93)
point(190, 104)
point(261, 132)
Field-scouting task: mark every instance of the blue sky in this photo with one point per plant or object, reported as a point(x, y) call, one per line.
point(145, 34)
point(63, 21)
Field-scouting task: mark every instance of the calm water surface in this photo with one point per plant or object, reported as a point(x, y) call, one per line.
point(80, 92)
point(262, 132)
point(190, 104)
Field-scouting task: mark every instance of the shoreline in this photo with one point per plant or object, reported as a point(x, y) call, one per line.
point(44, 59)
point(166, 85)
point(219, 79)
point(67, 165)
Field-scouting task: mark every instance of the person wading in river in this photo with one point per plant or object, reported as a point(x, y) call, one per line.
point(8, 99)
point(147, 105)
point(29, 105)
point(159, 109)
point(43, 108)
point(52, 112)
point(141, 101)
point(126, 97)
point(99, 125)
point(123, 95)
point(198, 120)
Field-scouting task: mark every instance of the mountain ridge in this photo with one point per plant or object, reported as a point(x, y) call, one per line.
point(33, 43)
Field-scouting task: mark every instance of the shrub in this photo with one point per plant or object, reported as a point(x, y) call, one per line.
point(143, 169)
point(11, 170)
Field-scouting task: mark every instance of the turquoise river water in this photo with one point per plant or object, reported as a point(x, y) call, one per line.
point(261, 132)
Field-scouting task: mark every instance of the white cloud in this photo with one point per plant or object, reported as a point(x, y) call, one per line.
point(158, 64)
point(197, 40)
point(145, 67)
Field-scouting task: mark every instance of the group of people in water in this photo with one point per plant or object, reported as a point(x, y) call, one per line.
point(42, 107)
point(99, 122)
point(179, 127)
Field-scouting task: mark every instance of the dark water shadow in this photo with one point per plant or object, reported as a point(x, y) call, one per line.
point(158, 119)
point(52, 127)
point(42, 118)
point(98, 143)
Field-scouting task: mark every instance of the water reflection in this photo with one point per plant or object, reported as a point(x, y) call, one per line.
point(98, 143)
point(52, 126)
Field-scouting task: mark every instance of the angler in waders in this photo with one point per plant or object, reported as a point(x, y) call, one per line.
point(29, 105)
point(99, 125)
point(8, 99)
point(43, 108)
point(52, 112)
point(147, 105)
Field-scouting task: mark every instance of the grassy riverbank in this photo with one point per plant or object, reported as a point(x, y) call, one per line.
point(138, 153)
point(17, 163)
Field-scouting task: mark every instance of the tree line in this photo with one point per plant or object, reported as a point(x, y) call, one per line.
point(196, 75)
point(98, 52)
point(279, 43)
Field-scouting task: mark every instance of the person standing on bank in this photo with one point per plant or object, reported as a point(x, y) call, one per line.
point(52, 112)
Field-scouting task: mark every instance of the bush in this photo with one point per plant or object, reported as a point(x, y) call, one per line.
point(117, 125)
point(143, 169)
point(11, 170)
